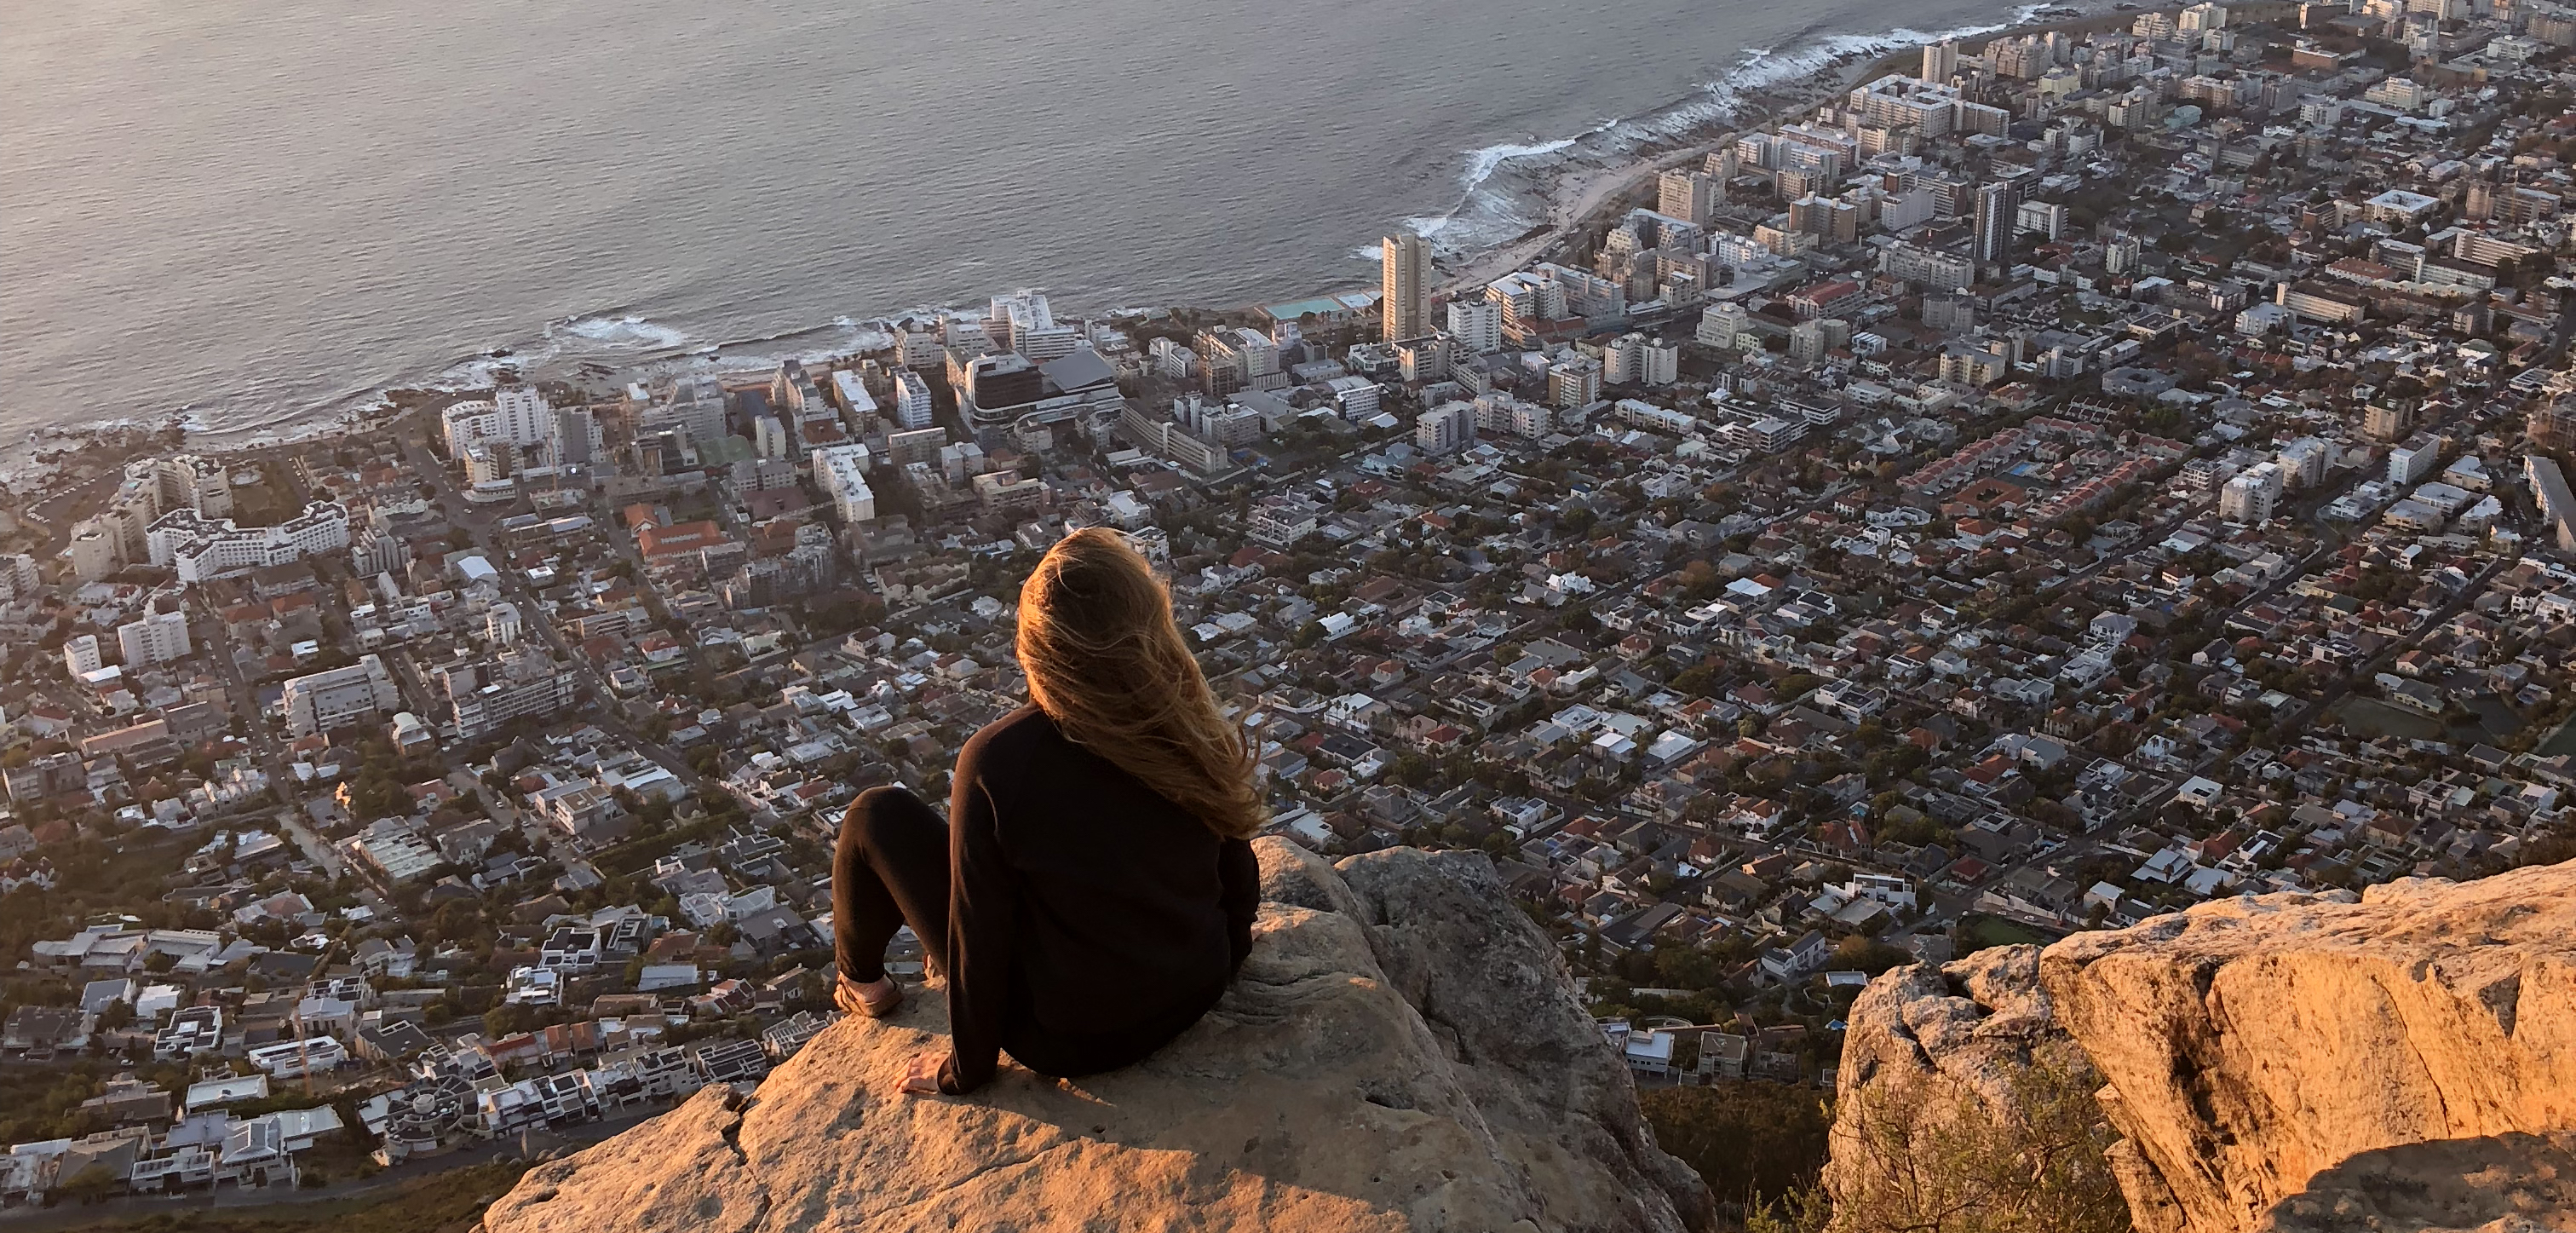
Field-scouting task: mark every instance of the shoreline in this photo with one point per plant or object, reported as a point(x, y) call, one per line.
point(1576, 200)
point(1579, 200)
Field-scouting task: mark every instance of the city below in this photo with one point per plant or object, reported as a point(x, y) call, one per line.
point(2062, 479)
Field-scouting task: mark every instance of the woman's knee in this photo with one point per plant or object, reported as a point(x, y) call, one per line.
point(880, 812)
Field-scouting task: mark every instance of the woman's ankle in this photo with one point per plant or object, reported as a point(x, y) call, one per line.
point(875, 999)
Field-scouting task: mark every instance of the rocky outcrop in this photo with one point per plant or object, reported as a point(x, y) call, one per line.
point(1402, 1051)
point(2251, 1047)
point(1937, 1075)
point(2402, 1059)
point(1495, 994)
point(2497, 1184)
point(1962, 1025)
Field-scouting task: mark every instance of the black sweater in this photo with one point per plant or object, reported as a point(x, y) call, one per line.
point(1080, 902)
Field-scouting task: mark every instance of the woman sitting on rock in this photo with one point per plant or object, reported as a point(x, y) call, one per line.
point(1093, 890)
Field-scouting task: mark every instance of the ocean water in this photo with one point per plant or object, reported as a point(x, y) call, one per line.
point(257, 214)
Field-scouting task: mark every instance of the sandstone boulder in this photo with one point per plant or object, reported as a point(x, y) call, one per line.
point(1940, 1065)
point(2251, 1047)
point(1966, 1023)
point(1402, 1051)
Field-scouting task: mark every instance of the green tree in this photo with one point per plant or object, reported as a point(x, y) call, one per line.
point(91, 1184)
point(507, 1019)
point(1751, 1141)
point(1911, 1158)
point(1857, 953)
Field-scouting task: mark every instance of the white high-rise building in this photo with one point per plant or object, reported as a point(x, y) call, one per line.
point(1998, 214)
point(841, 471)
point(1357, 398)
point(487, 695)
point(2305, 461)
point(81, 655)
point(157, 638)
point(2046, 219)
point(2250, 497)
point(769, 437)
point(968, 335)
point(920, 345)
point(2414, 460)
point(1022, 322)
point(18, 577)
point(1052, 342)
point(1940, 60)
point(1477, 325)
point(1404, 280)
point(186, 481)
point(1807, 345)
point(1721, 324)
point(1014, 314)
point(1623, 361)
point(912, 406)
point(1663, 362)
point(695, 405)
point(502, 625)
point(202, 549)
point(152, 487)
point(516, 415)
point(92, 552)
point(1446, 428)
point(1692, 196)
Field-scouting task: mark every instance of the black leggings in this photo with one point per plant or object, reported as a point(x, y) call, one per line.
point(891, 869)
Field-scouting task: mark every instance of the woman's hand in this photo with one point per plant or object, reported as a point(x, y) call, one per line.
point(921, 1078)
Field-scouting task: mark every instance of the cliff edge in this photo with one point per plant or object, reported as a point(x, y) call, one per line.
point(2403, 1059)
point(2250, 1046)
point(1402, 1051)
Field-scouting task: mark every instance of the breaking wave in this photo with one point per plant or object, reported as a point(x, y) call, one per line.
point(1504, 189)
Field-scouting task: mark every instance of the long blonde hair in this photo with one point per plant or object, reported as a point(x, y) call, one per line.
point(1106, 663)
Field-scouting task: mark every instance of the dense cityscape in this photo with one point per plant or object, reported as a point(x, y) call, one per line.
point(2062, 480)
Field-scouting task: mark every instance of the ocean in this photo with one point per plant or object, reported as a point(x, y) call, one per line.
point(256, 215)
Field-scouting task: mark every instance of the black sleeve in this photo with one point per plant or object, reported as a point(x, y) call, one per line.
point(1238, 876)
point(982, 897)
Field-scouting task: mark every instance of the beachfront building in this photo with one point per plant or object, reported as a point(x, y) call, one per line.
point(151, 488)
point(1404, 277)
point(201, 549)
point(517, 432)
point(1692, 196)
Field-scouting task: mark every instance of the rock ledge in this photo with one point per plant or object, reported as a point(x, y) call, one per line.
point(1402, 1051)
